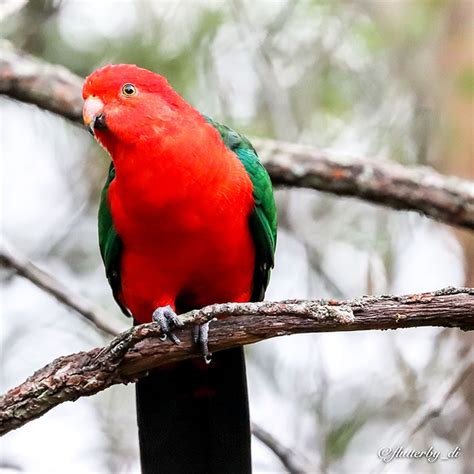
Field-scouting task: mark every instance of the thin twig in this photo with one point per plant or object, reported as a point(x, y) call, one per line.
point(433, 406)
point(420, 189)
point(436, 404)
point(138, 350)
point(288, 457)
point(10, 257)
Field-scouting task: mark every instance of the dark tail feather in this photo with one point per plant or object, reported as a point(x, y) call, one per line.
point(193, 418)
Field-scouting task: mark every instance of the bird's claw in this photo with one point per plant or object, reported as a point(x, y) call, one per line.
point(167, 320)
point(201, 337)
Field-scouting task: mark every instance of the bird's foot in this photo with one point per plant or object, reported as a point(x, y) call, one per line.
point(167, 320)
point(201, 337)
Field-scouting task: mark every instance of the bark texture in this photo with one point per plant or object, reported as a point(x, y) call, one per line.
point(420, 189)
point(132, 353)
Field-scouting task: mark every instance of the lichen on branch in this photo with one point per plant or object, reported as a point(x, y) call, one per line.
point(134, 352)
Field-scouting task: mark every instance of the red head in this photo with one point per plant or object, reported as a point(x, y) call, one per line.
point(126, 104)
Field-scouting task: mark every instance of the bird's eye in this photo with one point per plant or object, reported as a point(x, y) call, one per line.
point(128, 90)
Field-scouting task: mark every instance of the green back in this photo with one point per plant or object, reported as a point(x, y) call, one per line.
point(262, 222)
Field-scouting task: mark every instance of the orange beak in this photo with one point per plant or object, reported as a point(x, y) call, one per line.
point(93, 113)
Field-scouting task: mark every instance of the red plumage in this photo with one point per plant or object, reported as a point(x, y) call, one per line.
point(180, 200)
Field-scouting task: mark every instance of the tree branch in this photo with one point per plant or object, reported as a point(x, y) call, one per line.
point(444, 198)
point(138, 350)
point(10, 257)
point(50, 87)
point(447, 199)
point(289, 458)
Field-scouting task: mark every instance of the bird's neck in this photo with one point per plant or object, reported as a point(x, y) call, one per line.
point(190, 168)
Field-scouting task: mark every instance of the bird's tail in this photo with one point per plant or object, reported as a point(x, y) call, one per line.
point(193, 418)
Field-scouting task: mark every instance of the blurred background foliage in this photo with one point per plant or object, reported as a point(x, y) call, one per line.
point(387, 78)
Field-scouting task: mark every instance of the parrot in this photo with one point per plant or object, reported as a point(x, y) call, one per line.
point(187, 218)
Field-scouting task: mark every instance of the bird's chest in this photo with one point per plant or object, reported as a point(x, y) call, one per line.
point(180, 215)
point(159, 217)
point(185, 233)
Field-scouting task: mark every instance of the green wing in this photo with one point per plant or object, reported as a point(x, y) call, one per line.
point(109, 242)
point(263, 220)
